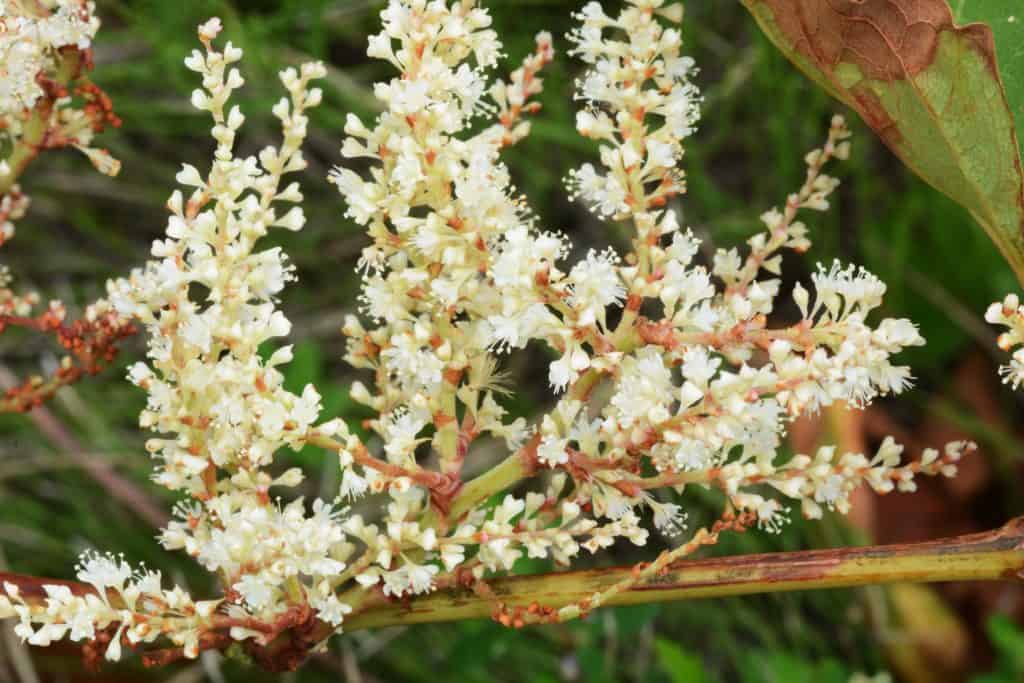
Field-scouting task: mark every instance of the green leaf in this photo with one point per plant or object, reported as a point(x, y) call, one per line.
point(770, 666)
point(1006, 19)
point(931, 89)
point(681, 666)
point(1008, 642)
point(593, 665)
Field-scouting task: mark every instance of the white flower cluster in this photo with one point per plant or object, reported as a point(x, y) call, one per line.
point(1010, 314)
point(126, 604)
point(13, 206)
point(697, 385)
point(456, 267)
point(218, 405)
point(457, 271)
point(41, 51)
point(31, 35)
point(40, 54)
point(637, 76)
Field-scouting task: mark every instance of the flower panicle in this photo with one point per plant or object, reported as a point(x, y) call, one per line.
point(219, 408)
point(667, 365)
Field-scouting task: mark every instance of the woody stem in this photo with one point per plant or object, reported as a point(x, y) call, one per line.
point(988, 556)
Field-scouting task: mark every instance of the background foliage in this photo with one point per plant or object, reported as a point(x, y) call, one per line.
point(760, 117)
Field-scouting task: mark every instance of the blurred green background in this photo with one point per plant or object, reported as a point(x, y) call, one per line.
point(760, 117)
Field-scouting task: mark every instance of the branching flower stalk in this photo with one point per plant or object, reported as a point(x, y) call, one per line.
point(698, 382)
point(48, 102)
point(45, 50)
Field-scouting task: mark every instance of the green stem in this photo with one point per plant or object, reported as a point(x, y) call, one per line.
point(988, 556)
point(38, 124)
point(449, 432)
point(519, 465)
point(504, 475)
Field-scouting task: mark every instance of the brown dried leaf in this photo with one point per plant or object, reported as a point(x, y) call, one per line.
point(930, 89)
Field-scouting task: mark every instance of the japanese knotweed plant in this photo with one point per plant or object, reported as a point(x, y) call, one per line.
point(665, 373)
